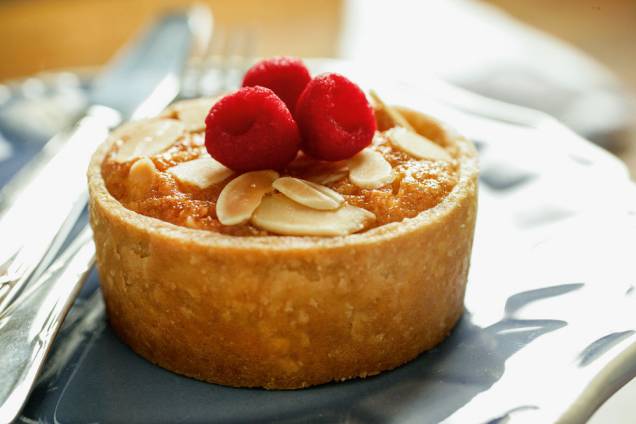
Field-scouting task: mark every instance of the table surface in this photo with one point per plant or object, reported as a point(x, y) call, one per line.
point(51, 34)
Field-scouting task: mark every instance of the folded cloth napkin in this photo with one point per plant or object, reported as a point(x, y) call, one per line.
point(479, 47)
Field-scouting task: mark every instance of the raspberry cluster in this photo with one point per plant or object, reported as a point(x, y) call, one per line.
point(281, 109)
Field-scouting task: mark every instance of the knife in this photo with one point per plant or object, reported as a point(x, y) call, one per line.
point(30, 324)
point(141, 80)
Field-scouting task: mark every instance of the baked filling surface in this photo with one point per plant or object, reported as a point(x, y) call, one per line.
point(145, 184)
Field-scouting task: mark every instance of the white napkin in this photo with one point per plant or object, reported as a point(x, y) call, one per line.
point(485, 50)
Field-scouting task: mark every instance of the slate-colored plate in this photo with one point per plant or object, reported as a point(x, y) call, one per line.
point(549, 331)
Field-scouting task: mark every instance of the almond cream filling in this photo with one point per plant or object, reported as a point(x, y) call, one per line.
point(284, 205)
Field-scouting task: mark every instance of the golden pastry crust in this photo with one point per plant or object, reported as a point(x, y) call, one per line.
point(286, 312)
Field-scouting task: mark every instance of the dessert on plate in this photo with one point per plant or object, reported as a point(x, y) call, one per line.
point(288, 234)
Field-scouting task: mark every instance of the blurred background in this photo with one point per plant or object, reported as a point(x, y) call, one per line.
point(574, 59)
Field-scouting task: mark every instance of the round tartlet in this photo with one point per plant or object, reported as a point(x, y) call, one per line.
point(285, 312)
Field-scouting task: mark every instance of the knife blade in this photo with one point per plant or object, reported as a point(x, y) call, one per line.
point(140, 82)
point(31, 323)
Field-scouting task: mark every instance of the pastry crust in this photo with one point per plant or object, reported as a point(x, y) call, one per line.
point(286, 312)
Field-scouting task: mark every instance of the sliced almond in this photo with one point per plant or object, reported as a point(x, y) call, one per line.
point(369, 169)
point(416, 145)
point(310, 194)
point(141, 177)
point(147, 138)
point(281, 215)
point(202, 172)
point(393, 113)
point(193, 112)
point(328, 178)
point(326, 172)
point(241, 196)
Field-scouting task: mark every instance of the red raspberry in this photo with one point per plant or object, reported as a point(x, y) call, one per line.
point(335, 118)
point(285, 76)
point(251, 129)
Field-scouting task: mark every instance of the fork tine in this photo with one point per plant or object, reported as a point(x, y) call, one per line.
point(221, 67)
point(245, 53)
point(213, 66)
point(203, 23)
point(238, 53)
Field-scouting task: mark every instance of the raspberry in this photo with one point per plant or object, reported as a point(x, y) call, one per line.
point(334, 117)
point(285, 76)
point(251, 129)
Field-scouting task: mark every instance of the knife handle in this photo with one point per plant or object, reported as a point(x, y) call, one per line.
point(30, 324)
point(44, 208)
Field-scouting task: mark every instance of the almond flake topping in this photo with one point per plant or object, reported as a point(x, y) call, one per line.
point(327, 172)
point(369, 169)
point(141, 177)
point(393, 113)
point(193, 112)
point(147, 138)
point(202, 172)
point(329, 178)
point(416, 145)
point(310, 194)
point(320, 172)
point(281, 215)
point(241, 196)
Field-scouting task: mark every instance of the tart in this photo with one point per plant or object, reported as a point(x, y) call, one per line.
point(288, 278)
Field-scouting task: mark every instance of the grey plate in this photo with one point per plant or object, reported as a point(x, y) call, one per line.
point(548, 335)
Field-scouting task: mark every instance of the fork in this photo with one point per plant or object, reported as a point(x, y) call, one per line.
point(31, 322)
point(221, 65)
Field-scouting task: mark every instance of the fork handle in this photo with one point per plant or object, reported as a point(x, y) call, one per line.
point(28, 327)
